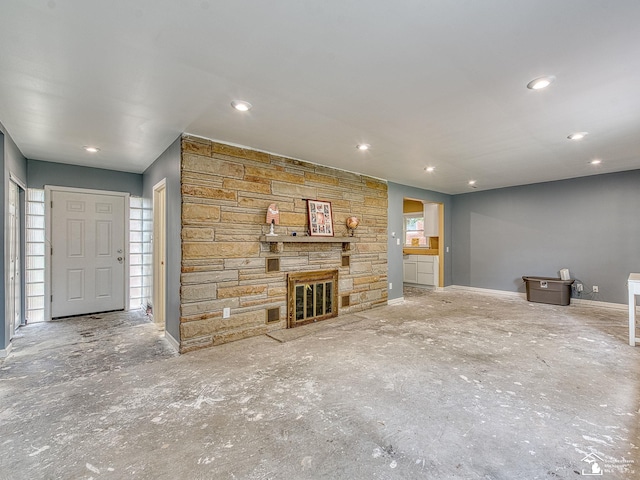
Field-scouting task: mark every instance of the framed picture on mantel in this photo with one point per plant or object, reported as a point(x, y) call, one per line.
point(320, 218)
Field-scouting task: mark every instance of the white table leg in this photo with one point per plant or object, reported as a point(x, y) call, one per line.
point(632, 318)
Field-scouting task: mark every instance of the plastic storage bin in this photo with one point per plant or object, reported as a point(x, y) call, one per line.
point(553, 291)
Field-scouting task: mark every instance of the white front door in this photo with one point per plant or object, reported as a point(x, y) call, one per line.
point(14, 300)
point(87, 252)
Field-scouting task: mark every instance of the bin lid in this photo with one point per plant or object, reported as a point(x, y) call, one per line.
point(527, 278)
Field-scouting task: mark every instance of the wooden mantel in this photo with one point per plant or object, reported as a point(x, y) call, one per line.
point(277, 241)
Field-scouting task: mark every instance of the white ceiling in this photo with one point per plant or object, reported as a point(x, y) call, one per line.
point(439, 83)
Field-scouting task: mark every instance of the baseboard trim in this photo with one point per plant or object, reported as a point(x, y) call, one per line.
point(578, 302)
point(6, 351)
point(486, 291)
point(172, 341)
point(395, 301)
point(582, 302)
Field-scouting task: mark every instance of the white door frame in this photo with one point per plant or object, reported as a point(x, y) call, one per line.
point(441, 242)
point(10, 304)
point(48, 189)
point(159, 296)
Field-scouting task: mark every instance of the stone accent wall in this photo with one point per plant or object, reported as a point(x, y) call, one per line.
point(225, 194)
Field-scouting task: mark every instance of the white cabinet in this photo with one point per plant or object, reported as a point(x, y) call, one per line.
point(431, 220)
point(410, 270)
point(421, 269)
point(425, 272)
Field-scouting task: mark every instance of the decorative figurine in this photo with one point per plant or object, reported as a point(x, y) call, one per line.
point(273, 218)
point(352, 224)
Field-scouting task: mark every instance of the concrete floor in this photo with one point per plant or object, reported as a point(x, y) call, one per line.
point(447, 385)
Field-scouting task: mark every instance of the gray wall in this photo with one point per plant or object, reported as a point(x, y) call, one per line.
point(590, 225)
point(397, 193)
point(12, 161)
point(168, 166)
point(63, 175)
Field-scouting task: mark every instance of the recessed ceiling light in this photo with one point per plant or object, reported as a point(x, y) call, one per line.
point(241, 105)
point(595, 161)
point(429, 169)
point(472, 182)
point(91, 149)
point(540, 82)
point(363, 146)
point(578, 135)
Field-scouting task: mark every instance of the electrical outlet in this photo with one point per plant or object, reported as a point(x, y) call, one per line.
point(579, 287)
point(226, 312)
point(390, 286)
point(595, 289)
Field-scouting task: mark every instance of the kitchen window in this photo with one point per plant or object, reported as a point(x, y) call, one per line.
point(414, 230)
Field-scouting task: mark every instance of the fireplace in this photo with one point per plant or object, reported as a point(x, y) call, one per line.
point(312, 296)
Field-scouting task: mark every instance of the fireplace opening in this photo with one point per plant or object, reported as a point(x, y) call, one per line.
point(312, 296)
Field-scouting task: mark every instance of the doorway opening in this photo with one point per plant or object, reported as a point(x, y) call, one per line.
point(423, 244)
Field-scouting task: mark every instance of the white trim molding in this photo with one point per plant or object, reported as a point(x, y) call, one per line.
point(395, 301)
point(583, 302)
point(17, 180)
point(6, 351)
point(486, 291)
point(172, 341)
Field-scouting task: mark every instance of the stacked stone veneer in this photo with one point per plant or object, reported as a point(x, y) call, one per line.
point(225, 194)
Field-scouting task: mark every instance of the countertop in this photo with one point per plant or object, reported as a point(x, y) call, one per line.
point(420, 251)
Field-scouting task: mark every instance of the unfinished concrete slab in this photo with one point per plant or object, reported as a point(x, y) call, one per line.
point(447, 385)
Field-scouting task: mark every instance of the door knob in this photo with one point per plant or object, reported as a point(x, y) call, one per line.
point(120, 259)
